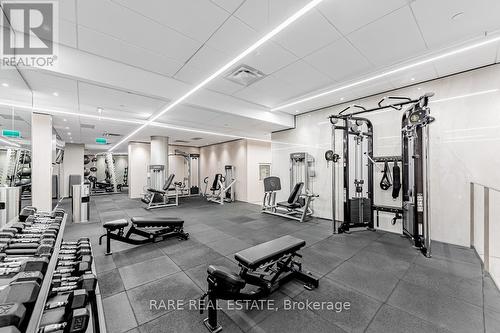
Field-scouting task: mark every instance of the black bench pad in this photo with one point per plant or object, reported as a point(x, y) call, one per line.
point(116, 224)
point(158, 222)
point(260, 254)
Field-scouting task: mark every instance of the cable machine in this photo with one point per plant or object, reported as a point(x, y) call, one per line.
point(358, 190)
point(190, 184)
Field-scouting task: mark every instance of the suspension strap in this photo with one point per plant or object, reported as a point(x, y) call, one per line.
point(385, 182)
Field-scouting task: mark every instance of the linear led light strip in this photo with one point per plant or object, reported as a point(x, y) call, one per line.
point(10, 142)
point(127, 121)
point(391, 72)
point(221, 70)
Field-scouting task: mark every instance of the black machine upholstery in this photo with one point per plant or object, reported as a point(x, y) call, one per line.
point(231, 280)
point(293, 199)
point(150, 230)
point(215, 184)
point(272, 184)
point(268, 251)
point(116, 224)
point(166, 186)
point(144, 222)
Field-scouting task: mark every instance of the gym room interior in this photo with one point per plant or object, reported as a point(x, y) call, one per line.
point(249, 166)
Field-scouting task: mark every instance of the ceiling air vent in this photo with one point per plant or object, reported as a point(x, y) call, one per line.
point(245, 75)
point(196, 139)
point(9, 117)
point(89, 126)
point(181, 141)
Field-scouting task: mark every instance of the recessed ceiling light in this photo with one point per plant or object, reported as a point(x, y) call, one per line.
point(342, 98)
point(412, 79)
point(69, 133)
point(419, 88)
point(65, 119)
point(55, 93)
point(66, 127)
point(301, 12)
point(5, 84)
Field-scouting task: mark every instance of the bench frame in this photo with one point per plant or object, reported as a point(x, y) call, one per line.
point(268, 277)
point(149, 234)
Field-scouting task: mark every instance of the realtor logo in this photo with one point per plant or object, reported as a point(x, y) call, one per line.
point(30, 32)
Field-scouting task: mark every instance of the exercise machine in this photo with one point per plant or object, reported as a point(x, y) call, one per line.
point(357, 139)
point(222, 189)
point(357, 145)
point(296, 207)
point(265, 267)
point(190, 183)
point(161, 198)
point(151, 229)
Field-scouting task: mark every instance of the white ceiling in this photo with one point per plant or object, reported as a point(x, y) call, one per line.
point(185, 41)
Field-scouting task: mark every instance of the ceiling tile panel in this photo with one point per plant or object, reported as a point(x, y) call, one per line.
point(393, 38)
point(438, 27)
point(204, 16)
point(482, 56)
point(308, 34)
point(269, 58)
point(113, 48)
point(339, 60)
point(233, 37)
point(228, 5)
point(136, 29)
point(303, 76)
point(348, 16)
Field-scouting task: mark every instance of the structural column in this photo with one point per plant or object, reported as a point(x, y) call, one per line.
point(42, 150)
point(138, 168)
point(159, 157)
point(73, 164)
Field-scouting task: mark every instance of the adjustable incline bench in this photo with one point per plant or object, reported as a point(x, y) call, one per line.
point(267, 266)
point(152, 229)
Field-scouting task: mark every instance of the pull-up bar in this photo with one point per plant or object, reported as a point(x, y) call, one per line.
point(396, 106)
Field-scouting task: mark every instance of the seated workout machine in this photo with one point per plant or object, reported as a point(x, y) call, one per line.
point(222, 187)
point(266, 266)
point(152, 229)
point(297, 207)
point(161, 198)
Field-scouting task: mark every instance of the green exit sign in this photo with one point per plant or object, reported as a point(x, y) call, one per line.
point(101, 141)
point(11, 133)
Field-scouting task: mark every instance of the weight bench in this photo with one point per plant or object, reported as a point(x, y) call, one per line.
point(151, 229)
point(266, 266)
point(161, 198)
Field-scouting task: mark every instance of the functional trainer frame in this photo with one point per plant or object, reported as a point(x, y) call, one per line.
point(414, 156)
point(151, 230)
point(266, 266)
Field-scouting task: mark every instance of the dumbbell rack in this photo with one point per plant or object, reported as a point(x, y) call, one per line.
point(96, 324)
point(36, 315)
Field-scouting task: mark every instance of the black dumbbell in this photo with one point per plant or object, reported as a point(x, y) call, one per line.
point(86, 281)
point(76, 322)
point(76, 299)
point(75, 247)
point(44, 250)
point(34, 265)
point(74, 258)
point(79, 269)
point(29, 276)
point(25, 292)
point(77, 253)
point(79, 241)
point(72, 262)
point(12, 314)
